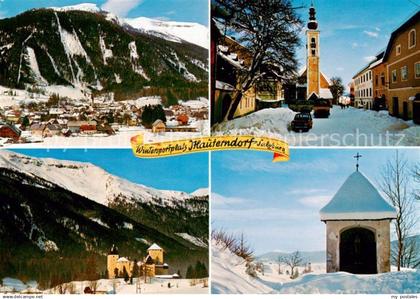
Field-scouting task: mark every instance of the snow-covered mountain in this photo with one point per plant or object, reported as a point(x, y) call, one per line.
point(77, 177)
point(193, 33)
point(84, 47)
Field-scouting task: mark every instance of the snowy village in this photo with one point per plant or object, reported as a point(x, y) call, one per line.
point(267, 84)
point(350, 228)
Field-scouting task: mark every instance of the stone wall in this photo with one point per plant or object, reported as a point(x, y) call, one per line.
point(381, 228)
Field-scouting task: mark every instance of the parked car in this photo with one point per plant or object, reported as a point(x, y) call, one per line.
point(302, 122)
point(322, 108)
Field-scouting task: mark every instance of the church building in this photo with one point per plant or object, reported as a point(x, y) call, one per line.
point(358, 228)
point(312, 83)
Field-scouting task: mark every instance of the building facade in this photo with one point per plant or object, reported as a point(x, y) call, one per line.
point(363, 88)
point(402, 58)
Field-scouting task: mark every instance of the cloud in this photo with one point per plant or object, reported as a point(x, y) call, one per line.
point(266, 165)
point(371, 33)
point(120, 7)
point(241, 216)
point(369, 58)
point(306, 191)
point(354, 45)
point(339, 68)
point(377, 29)
point(317, 201)
point(219, 201)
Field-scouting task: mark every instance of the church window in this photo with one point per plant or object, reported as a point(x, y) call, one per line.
point(394, 76)
point(412, 38)
point(404, 73)
point(417, 70)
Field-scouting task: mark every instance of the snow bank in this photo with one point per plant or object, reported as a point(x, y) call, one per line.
point(344, 127)
point(228, 274)
point(345, 283)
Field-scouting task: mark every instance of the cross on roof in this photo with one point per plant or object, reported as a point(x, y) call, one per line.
point(357, 158)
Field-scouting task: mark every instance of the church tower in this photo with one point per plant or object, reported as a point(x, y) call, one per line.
point(312, 55)
point(112, 259)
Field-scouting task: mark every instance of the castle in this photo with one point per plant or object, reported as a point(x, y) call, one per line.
point(152, 265)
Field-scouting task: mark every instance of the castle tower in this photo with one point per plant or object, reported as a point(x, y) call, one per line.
point(112, 260)
point(358, 228)
point(156, 253)
point(312, 55)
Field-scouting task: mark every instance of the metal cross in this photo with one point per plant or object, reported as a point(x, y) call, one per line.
point(357, 158)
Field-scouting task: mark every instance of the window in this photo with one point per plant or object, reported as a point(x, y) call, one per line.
point(376, 80)
point(404, 73)
point(417, 70)
point(398, 50)
point(383, 79)
point(394, 76)
point(412, 38)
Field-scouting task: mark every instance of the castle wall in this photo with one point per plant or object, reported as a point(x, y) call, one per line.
point(111, 265)
point(381, 228)
point(156, 255)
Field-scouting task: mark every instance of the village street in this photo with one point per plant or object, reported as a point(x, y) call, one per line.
point(344, 127)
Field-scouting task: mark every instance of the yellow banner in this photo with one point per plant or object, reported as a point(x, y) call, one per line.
point(212, 143)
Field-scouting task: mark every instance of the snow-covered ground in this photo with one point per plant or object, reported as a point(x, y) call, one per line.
point(120, 140)
point(111, 286)
point(229, 276)
point(344, 127)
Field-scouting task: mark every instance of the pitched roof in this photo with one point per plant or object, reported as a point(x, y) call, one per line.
point(357, 199)
point(154, 247)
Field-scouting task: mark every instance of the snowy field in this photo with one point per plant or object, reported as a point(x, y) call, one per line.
point(229, 277)
point(344, 127)
point(111, 286)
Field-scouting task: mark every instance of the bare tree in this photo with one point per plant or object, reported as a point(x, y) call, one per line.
point(416, 177)
point(243, 249)
point(293, 260)
point(93, 284)
point(269, 29)
point(395, 184)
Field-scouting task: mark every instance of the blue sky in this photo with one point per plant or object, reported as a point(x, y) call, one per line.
point(276, 205)
point(183, 173)
point(175, 10)
point(354, 30)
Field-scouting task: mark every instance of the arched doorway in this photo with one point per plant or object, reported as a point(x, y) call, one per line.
point(358, 251)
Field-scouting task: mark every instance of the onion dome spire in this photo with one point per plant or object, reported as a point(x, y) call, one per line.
point(312, 24)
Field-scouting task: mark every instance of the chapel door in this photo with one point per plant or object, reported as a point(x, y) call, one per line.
point(358, 251)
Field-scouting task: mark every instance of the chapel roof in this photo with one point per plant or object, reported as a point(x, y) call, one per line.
point(357, 199)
